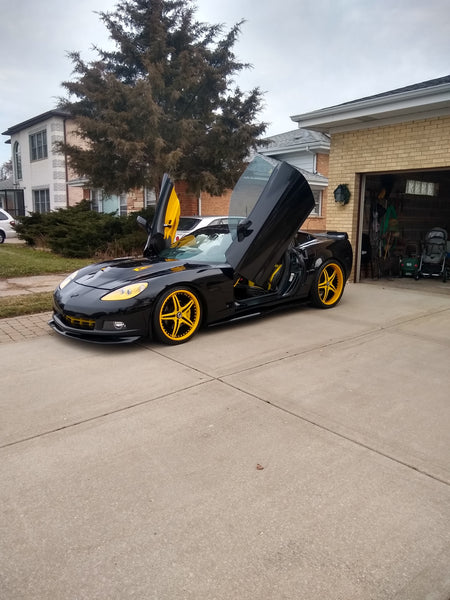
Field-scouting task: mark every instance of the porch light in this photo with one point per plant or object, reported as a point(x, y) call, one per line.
point(342, 194)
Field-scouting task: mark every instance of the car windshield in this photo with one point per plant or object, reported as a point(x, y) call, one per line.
point(204, 245)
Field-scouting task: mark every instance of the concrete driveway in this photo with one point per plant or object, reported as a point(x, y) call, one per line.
point(302, 456)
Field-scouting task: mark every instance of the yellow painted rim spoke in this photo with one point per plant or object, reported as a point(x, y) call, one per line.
point(330, 284)
point(183, 316)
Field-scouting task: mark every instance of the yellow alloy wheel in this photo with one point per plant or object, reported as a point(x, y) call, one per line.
point(177, 316)
point(329, 285)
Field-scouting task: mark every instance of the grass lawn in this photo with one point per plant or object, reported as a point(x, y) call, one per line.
point(25, 304)
point(19, 261)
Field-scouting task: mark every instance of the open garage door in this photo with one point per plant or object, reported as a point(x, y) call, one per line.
point(398, 210)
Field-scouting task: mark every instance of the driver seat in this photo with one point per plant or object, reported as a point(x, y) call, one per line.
point(270, 285)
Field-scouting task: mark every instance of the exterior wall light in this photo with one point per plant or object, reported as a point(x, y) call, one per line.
point(342, 194)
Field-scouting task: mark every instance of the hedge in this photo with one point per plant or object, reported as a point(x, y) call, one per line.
point(79, 232)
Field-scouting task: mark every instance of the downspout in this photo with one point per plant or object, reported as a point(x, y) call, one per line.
point(314, 158)
point(65, 163)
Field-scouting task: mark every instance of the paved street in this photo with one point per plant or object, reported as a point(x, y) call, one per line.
point(301, 456)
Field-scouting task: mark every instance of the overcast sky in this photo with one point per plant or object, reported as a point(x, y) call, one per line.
point(306, 54)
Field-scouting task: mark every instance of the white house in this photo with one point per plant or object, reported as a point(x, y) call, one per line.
point(42, 176)
point(37, 169)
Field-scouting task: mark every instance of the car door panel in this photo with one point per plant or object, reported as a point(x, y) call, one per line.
point(261, 239)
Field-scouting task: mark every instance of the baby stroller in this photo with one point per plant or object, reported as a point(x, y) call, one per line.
point(434, 255)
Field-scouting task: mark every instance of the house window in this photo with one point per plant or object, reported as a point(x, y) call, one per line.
point(104, 203)
point(421, 188)
point(96, 200)
point(41, 200)
point(317, 210)
point(149, 197)
point(38, 145)
point(17, 161)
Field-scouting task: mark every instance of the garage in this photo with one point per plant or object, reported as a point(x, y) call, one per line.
point(401, 212)
point(391, 153)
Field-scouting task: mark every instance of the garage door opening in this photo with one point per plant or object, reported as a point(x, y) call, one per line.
point(398, 210)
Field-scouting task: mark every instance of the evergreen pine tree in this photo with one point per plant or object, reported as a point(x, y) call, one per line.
point(163, 100)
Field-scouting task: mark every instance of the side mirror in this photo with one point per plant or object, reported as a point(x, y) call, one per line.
point(142, 222)
point(244, 229)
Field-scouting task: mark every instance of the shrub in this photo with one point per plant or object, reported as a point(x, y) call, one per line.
point(79, 232)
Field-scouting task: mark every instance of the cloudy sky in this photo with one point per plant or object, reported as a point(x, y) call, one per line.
point(306, 54)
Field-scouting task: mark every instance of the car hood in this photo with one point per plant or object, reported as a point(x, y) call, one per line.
point(114, 274)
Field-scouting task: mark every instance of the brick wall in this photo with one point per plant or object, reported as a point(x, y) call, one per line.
point(215, 205)
point(135, 200)
point(188, 200)
point(415, 145)
point(205, 205)
point(318, 224)
point(323, 164)
point(74, 195)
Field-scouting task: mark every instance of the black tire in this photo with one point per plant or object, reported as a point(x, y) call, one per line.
point(328, 285)
point(2, 237)
point(177, 316)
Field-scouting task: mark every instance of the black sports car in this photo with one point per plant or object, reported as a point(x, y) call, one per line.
point(219, 273)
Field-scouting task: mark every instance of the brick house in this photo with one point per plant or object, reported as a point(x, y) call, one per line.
point(307, 150)
point(392, 150)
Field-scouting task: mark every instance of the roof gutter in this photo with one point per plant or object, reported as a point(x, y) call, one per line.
point(408, 104)
point(309, 147)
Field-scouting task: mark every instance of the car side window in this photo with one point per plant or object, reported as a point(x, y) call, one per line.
point(3, 217)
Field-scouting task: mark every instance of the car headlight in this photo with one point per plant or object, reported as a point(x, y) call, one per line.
point(126, 292)
point(67, 280)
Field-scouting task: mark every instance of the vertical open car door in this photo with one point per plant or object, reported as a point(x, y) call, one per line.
point(165, 221)
point(275, 199)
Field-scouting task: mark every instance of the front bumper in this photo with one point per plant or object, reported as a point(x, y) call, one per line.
point(79, 313)
point(95, 335)
point(100, 330)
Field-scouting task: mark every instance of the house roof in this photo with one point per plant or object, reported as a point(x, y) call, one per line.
point(314, 178)
point(35, 120)
point(296, 140)
point(418, 101)
point(6, 184)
